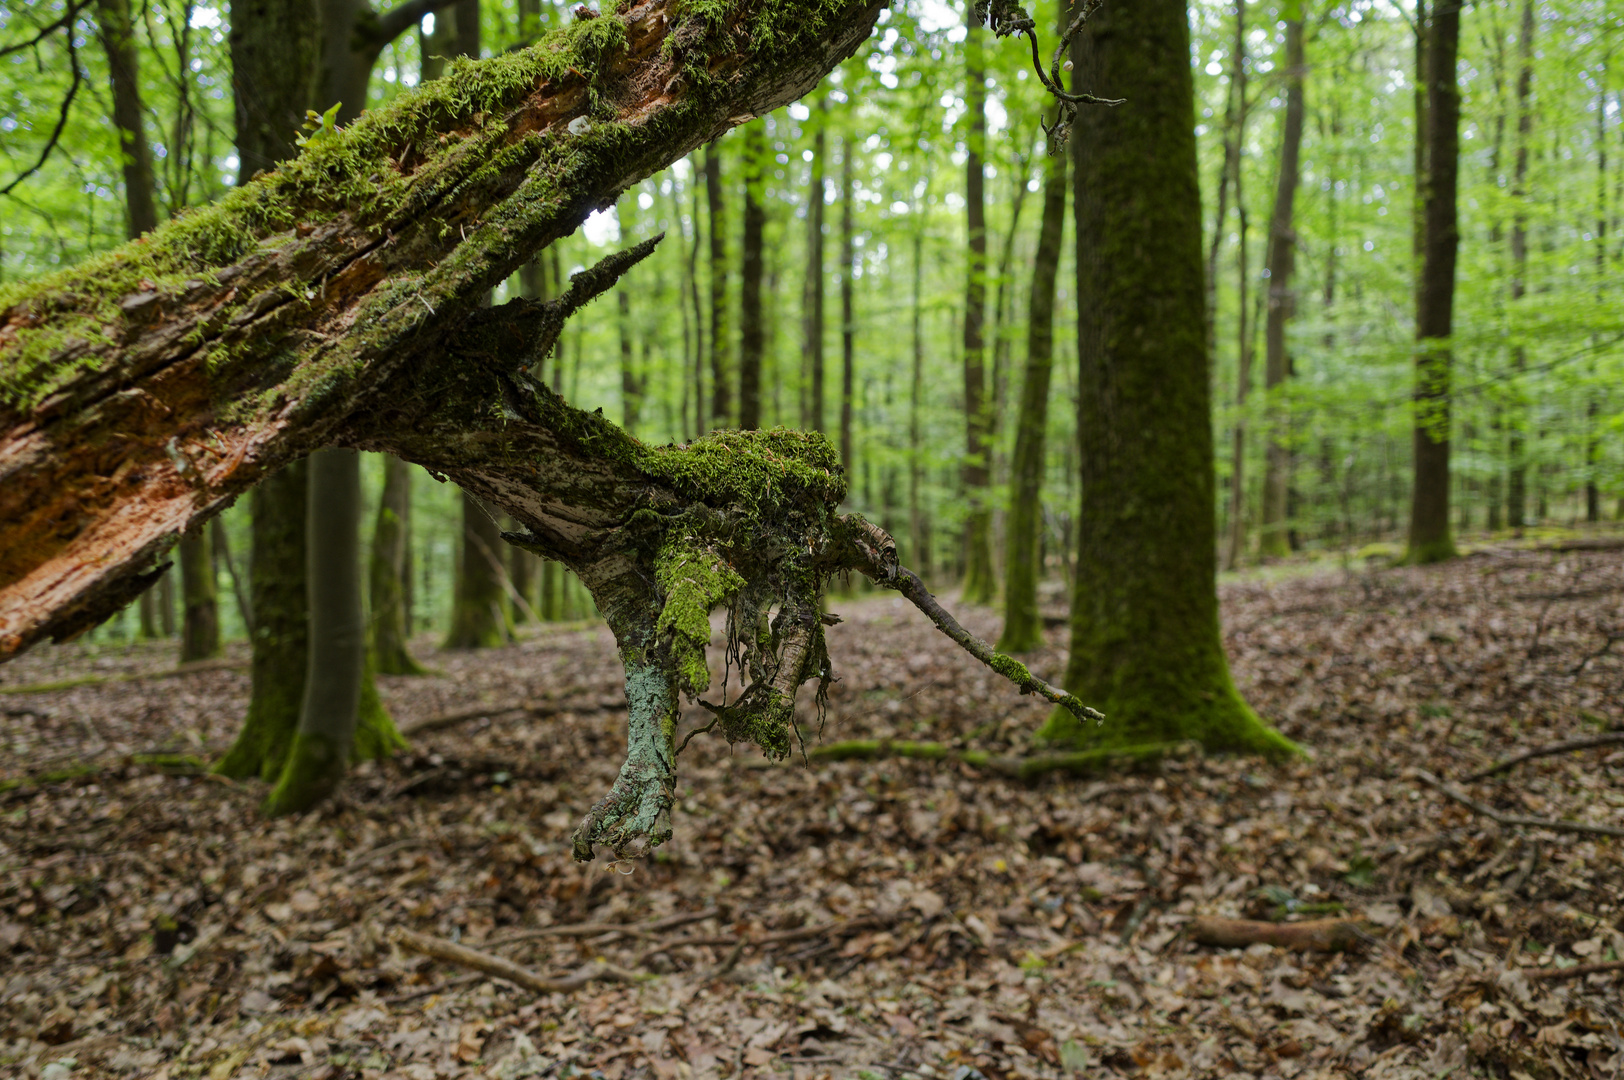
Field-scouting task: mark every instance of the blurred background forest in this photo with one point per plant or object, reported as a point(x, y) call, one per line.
point(831, 239)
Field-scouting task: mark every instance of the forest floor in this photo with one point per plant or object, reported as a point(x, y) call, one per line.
point(951, 924)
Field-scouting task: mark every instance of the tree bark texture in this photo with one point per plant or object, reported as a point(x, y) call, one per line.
point(1430, 539)
point(980, 584)
point(1144, 624)
point(752, 323)
point(275, 64)
point(1236, 551)
point(153, 384)
point(1282, 261)
point(1023, 628)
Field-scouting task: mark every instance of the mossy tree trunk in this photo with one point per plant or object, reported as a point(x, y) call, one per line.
point(1023, 628)
point(388, 632)
point(1273, 538)
point(1145, 644)
point(1430, 539)
point(980, 585)
point(338, 712)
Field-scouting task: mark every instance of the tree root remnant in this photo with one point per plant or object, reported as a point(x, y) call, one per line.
point(1318, 935)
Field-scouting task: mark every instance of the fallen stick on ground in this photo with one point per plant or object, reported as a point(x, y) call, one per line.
point(193, 668)
point(780, 937)
point(1320, 935)
point(496, 967)
point(1612, 738)
point(534, 708)
point(1492, 814)
point(583, 930)
point(1577, 971)
point(1078, 762)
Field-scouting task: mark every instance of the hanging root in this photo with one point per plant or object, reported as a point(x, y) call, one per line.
point(635, 817)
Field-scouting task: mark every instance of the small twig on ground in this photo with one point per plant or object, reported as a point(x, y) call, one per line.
point(534, 708)
point(1612, 738)
point(1606, 647)
point(385, 849)
point(585, 930)
point(1319, 935)
point(1577, 971)
point(496, 967)
point(1492, 814)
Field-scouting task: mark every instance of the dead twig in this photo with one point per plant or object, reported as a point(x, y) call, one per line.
point(1577, 971)
point(496, 967)
point(585, 930)
point(1612, 738)
point(1492, 814)
point(541, 709)
point(437, 988)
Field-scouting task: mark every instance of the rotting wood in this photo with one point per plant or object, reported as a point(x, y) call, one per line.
point(1555, 825)
point(1318, 935)
point(452, 953)
point(1613, 738)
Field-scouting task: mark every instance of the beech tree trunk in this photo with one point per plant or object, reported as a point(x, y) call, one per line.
point(200, 598)
point(980, 585)
point(752, 325)
point(812, 295)
point(1282, 261)
point(848, 336)
point(1023, 628)
point(1517, 478)
point(1144, 622)
point(721, 342)
point(388, 629)
point(1243, 333)
point(1430, 539)
point(124, 78)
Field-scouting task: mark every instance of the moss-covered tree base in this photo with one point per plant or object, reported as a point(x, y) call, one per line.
point(264, 747)
point(1112, 759)
point(1217, 721)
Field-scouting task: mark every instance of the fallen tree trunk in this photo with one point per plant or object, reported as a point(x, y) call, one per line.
point(337, 302)
point(143, 390)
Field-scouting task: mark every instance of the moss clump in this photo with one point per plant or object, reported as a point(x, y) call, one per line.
point(693, 580)
point(762, 471)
